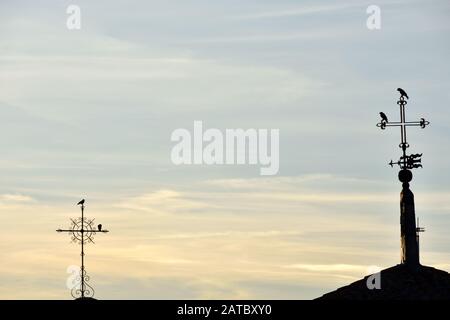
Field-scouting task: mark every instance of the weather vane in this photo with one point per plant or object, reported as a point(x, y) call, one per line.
point(406, 161)
point(409, 231)
point(82, 231)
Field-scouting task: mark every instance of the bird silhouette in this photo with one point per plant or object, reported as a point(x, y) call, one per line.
point(81, 202)
point(100, 227)
point(403, 93)
point(383, 117)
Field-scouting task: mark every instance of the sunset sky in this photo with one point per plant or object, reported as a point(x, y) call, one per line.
point(89, 113)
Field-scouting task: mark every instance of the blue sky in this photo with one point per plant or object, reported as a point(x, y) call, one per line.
point(89, 113)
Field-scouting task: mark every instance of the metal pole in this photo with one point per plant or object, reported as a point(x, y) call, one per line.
point(82, 251)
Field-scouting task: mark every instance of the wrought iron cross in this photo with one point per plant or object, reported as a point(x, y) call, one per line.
point(406, 161)
point(82, 231)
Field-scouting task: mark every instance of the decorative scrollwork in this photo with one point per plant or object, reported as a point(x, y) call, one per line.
point(423, 123)
point(82, 231)
point(82, 289)
point(402, 102)
point(382, 124)
point(408, 162)
point(82, 225)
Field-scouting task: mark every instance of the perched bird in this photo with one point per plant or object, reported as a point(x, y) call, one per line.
point(403, 93)
point(383, 117)
point(100, 227)
point(81, 202)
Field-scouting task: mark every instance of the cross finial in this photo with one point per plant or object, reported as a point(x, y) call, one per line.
point(405, 161)
point(82, 231)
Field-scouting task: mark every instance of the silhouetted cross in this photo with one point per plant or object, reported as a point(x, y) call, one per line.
point(405, 161)
point(82, 231)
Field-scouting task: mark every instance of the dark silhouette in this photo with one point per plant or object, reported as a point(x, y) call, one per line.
point(403, 93)
point(82, 232)
point(408, 280)
point(408, 229)
point(398, 283)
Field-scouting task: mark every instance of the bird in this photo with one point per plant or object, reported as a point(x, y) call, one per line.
point(403, 93)
point(81, 202)
point(383, 117)
point(100, 227)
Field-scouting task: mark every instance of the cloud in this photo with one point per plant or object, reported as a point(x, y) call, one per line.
point(15, 202)
point(215, 238)
point(295, 12)
point(91, 113)
point(161, 202)
point(14, 198)
point(328, 268)
point(268, 37)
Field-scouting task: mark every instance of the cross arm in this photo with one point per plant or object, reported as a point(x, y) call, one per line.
point(91, 231)
point(422, 123)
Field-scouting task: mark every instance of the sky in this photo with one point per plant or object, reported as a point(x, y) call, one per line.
point(89, 114)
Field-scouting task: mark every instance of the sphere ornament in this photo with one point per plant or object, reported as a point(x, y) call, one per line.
point(405, 175)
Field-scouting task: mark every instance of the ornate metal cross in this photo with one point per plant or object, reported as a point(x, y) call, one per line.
point(409, 232)
point(406, 161)
point(82, 231)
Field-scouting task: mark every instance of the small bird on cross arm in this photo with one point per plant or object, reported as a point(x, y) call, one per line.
point(383, 117)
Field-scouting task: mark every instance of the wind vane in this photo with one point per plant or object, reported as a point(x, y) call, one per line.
point(408, 229)
point(406, 161)
point(82, 231)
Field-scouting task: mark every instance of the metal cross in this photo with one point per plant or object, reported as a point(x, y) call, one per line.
point(82, 231)
point(406, 161)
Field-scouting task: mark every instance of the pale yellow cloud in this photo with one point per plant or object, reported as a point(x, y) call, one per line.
point(15, 198)
point(209, 240)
